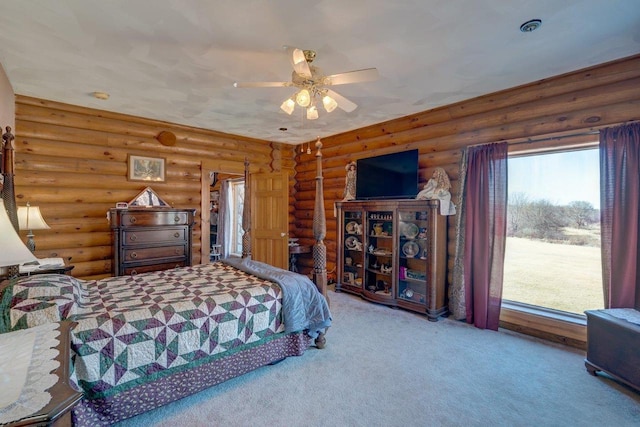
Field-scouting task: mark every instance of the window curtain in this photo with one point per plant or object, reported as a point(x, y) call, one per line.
point(619, 214)
point(484, 207)
point(224, 219)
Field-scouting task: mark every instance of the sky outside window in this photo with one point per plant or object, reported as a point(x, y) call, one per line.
point(560, 178)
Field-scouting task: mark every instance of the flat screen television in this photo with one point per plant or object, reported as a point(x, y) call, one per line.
point(390, 176)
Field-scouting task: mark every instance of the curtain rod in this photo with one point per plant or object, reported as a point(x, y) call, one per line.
point(549, 138)
point(552, 138)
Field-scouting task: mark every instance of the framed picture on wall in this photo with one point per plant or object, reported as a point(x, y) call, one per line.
point(143, 168)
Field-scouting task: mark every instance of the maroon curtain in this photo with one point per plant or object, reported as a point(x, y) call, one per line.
point(485, 233)
point(619, 214)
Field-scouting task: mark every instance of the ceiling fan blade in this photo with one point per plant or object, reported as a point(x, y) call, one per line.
point(262, 84)
point(298, 61)
point(366, 75)
point(343, 102)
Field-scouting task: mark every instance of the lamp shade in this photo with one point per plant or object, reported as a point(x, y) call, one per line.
point(312, 113)
point(329, 103)
point(303, 98)
point(13, 252)
point(30, 218)
point(288, 106)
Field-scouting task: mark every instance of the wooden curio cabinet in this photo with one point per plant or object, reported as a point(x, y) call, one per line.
point(394, 252)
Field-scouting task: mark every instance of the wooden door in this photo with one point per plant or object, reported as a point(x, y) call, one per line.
point(269, 198)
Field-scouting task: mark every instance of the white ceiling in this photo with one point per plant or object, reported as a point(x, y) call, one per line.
point(176, 60)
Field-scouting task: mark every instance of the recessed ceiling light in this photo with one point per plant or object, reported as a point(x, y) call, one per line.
point(101, 95)
point(532, 25)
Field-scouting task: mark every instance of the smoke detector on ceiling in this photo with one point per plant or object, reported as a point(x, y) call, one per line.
point(531, 25)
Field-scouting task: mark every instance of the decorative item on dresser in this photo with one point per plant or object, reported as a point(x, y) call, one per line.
point(150, 239)
point(393, 252)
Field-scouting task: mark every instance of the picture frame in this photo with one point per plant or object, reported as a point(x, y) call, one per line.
point(148, 169)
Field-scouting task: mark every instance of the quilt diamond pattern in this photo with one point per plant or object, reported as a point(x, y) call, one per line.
point(156, 323)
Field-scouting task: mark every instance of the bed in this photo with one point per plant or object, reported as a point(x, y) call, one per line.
point(143, 341)
point(146, 340)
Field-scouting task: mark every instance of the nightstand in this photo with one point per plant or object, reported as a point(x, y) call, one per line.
point(294, 251)
point(65, 269)
point(57, 412)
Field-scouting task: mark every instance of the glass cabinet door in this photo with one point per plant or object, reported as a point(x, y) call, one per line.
point(379, 253)
point(353, 253)
point(413, 239)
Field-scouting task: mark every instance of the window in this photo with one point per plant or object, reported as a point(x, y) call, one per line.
point(236, 187)
point(552, 256)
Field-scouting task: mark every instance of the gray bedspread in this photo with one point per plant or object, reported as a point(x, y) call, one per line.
point(303, 306)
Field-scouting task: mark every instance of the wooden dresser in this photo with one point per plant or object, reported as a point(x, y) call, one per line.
point(150, 239)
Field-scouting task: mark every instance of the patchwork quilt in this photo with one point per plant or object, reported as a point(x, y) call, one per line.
point(135, 329)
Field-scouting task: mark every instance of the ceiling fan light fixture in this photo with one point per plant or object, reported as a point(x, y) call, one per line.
point(329, 103)
point(288, 106)
point(303, 98)
point(312, 113)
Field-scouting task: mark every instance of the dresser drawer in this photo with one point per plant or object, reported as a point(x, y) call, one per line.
point(145, 219)
point(150, 239)
point(153, 267)
point(142, 254)
point(145, 236)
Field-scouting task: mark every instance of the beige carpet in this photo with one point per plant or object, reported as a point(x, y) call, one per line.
point(386, 367)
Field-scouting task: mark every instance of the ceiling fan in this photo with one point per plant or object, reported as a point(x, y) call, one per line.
point(312, 85)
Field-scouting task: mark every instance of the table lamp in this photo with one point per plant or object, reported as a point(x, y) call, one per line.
point(30, 218)
point(13, 252)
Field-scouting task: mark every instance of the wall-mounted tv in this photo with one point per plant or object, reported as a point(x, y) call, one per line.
point(390, 176)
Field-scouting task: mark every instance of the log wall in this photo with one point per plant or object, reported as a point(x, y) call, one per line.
point(72, 162)
point(584, 100)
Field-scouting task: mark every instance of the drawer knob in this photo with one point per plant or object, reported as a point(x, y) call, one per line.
point(177, 251)
point(176, 218)
point(176, 234)
point(134, 255)
point(133, 237)
point(132, 219)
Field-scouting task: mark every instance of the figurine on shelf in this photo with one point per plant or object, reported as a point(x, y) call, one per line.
point(350, 182)
point(357, 229)
point(438, 187)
